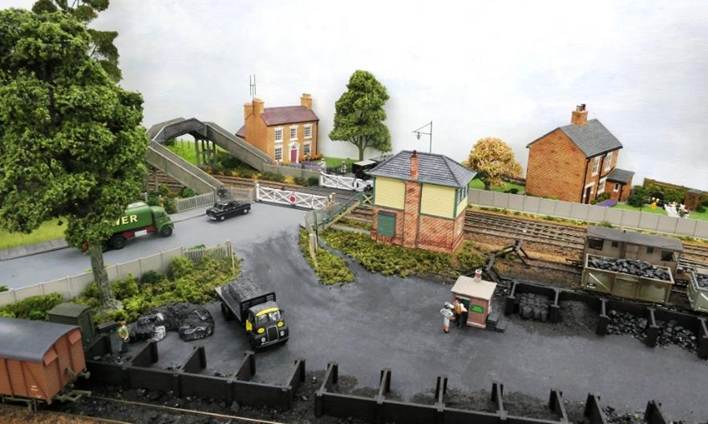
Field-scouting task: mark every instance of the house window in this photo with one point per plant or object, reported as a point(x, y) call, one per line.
point(308, 131)
point(601, 186)
point(667, 255)
point(617, 188)
point(386, 224)
point(650, 250)
point(596, 244)
point(306, 149)
point(608, 160)
point(596, 165)
point(278, 135)
point(461, 193)
point(293, 133)
point(279, 153)
point(615, 244)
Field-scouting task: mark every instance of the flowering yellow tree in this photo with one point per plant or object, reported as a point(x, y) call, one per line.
point(493, 159)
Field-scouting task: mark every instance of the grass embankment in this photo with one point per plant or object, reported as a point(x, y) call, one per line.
point(185, 281)
point(50, 230)
point(505, 187)
point(330, 269)
point(403, 262)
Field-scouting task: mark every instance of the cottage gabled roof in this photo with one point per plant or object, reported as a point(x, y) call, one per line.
point(432, 168)
point(620, 176)
point(288, 115)
point(591, 138)
point(26, 340)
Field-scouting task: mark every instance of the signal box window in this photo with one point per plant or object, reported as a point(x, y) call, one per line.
point(596, 244)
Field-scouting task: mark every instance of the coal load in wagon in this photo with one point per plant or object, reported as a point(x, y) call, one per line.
point(192, 322)
point(702, 280)
point(629, 266)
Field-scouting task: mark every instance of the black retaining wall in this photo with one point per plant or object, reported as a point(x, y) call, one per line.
point(652, 312)
point(378, 409)
point(186, 379)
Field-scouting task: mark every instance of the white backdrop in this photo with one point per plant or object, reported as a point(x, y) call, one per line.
point(512, 69)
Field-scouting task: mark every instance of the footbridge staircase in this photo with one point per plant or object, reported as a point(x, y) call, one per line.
point(186, 173)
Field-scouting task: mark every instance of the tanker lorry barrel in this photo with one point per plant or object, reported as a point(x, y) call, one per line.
point(140, 219)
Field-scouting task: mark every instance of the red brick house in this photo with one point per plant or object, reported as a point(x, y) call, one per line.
point(288, 134)
point(577, 162)
point(420, 201)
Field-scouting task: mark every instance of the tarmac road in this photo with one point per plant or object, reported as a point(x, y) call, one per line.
point(194, 228)
point(386, 322)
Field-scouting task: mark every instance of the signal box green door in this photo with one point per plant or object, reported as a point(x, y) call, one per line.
point(386, 225)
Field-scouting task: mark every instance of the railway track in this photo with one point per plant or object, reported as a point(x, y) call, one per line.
point(20, 414)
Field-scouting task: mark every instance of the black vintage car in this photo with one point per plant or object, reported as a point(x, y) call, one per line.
point(227, 208)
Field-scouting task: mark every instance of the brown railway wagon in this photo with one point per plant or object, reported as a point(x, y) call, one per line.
point(38, 359)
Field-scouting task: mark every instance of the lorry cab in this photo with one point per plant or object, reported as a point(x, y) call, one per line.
point(265, 325)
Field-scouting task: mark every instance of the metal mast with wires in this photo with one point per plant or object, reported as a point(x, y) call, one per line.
point(252, 85)
point(418, 132)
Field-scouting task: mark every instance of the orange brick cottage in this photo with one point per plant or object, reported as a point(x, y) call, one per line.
point(420, 201)
point(287, 134)
point(577, 162)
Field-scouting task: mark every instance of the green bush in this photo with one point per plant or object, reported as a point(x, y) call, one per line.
point(513, 190)
point(179, 267)
point(330, 269)
point(151, 277)
point(187, 192)
point(396, 260)
point(187, 282)
point(638, 197)
point(270, 176)
point(600, 198)
point(3, 288)
point(699, 209)
point(313, 181)
point(35, 307)
point(300, 181)
point(605, 224)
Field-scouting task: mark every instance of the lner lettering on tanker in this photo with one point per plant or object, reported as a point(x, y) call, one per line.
point(127, 219)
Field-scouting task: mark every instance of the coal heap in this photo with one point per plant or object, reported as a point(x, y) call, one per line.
point(669, 332)
point(629, 266)
point(534, 306)
point(626, 323)
point(192, 322)
point(672, 333)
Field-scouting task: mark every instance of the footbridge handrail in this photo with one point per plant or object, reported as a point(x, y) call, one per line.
point(183, 171)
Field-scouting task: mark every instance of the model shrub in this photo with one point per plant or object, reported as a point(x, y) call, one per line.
point(186, 281)
point(300, 181)
point(600, 198)
point(605, 224)
point(3, 288)
point(187, 192)
point(313, 181)
point(400, 261)
point(330, 269)
point(35, 307)
point(699, 209)
point(271, 176)
point(638, 197)
point(469, 258)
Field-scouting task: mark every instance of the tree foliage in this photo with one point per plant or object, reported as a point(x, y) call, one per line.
point(71, 144)
point(359, 114)
point(493, 159)
point(103, 48)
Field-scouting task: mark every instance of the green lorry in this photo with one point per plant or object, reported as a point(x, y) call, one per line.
point(140, 219)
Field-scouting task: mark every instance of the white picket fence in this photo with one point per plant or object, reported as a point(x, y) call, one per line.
point(590, 213)
point(291, 198)
point(208, 199)
point(71, 286)
point(343, 183)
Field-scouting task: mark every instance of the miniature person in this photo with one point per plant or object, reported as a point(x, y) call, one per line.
point(124, 336)
point(462, 315)
point(447, 314)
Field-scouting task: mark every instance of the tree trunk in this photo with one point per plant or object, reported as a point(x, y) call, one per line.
point(100, 276)
point(487, 184)
point(361, 152)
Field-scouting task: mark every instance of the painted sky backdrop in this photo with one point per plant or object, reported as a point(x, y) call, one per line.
point(513, 69)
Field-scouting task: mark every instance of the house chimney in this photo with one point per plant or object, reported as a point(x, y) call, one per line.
point(247, 110)
point(478, 275)
point(306, 100)
point(257, 106)
point(580, 115)
point(414, 165)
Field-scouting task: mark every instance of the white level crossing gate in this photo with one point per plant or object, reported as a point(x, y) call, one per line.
point(342, 182)
point(291, 198)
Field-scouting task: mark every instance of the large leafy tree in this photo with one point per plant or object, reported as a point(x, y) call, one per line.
point(493, 159)
point(71, 144)
point(102, 48)
point(359, 114)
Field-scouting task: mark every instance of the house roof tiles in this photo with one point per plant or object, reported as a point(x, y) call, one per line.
point(288, 115)
point(591, 138)
point(620, 176)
